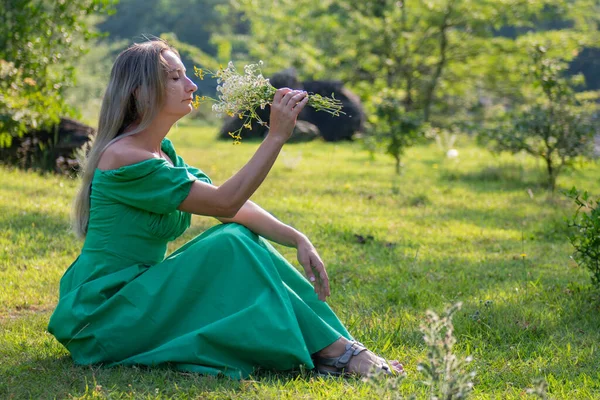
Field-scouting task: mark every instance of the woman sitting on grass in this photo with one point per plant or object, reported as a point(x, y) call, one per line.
point(226, 302)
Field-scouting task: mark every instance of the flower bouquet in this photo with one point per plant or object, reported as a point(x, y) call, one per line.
point(241, 95)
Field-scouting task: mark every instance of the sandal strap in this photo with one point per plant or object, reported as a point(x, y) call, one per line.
point(352, 349)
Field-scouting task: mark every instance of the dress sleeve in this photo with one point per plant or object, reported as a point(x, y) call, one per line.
point(153, 185)
point(167, 147)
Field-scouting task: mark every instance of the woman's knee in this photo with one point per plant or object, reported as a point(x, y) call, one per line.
point(231, 234)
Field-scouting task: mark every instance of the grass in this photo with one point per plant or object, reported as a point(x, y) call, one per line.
point(481, 230)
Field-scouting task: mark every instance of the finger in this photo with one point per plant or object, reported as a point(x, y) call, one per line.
point(320, 289)
point(319, 267)
point(300, 105)
point(322, 278)
point(285, 100)
point(296, 98)
point(280, 93)
point(325, 285)
point(325, 280)
point(305, 262)
point(318, 286)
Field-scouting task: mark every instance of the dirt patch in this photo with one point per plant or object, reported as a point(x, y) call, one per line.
point(23, 311)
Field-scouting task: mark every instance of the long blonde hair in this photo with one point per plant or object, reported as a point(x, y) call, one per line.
point(135, 94)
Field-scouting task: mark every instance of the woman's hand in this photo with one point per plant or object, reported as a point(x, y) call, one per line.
point(314, 267)
point(286, 106)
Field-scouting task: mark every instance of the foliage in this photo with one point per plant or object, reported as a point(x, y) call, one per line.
point(193, 27)
point(439, 54)
point(405, 46)
point(23, 105)
point(93, 72)
point(393, 127)
point(585, 232)
point(222, 29)
point(447, 61)
point(557, 127)
point(191, 21)
point(38, 44)
point(445, 373)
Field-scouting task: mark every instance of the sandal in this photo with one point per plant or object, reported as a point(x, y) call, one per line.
point(340, 363)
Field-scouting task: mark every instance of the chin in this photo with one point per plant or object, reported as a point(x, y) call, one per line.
point(181, 112)
point(188, 109)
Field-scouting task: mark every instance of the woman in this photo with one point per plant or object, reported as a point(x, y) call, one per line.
point(226, 302)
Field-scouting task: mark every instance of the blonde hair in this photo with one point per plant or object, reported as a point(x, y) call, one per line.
point(135, 94)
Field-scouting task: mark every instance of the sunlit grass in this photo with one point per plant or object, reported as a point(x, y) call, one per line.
point(480, 229)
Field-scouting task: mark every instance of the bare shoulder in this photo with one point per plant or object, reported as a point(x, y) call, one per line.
point(122, 153)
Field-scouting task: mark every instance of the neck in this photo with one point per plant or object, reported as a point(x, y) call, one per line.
point(152, 136)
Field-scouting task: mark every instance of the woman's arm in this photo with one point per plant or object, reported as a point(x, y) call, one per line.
point(227, 199)
point(266, 225)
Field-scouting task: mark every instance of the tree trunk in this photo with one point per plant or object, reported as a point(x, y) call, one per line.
point(551, 175)
point(429, 95)
point(397, 164)
point(408, 100)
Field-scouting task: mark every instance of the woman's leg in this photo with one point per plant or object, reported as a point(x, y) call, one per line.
point(329, 344)
point(363, 363)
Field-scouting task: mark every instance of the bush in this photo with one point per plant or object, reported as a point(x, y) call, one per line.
point(585, 232)
point(446, 374)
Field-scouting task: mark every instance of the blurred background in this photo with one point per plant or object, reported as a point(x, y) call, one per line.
point(499, 71)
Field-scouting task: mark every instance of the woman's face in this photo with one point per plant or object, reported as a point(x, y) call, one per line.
point(180, 88)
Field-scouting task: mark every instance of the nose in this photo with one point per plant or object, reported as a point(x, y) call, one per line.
point(191, 86)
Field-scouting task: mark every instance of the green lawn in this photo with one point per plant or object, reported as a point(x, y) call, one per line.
point(480, 230)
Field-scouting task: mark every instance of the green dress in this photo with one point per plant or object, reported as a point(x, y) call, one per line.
point(224, 303)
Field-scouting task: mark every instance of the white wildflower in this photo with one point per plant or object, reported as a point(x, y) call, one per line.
point(240, 95)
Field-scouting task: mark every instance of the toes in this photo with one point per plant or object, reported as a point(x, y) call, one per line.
point(399, 369)
point(397, 366)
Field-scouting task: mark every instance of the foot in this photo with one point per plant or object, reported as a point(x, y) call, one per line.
point(362, 364)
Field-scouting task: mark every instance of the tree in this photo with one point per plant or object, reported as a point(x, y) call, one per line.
point(39, 40)
point(191, 26)
point(557, 127)
point(393, 127)
point(191, 21)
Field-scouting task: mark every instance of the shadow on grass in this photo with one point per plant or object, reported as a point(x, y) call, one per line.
point(548, 225)
point(59, 378)
point(34, 365)
point(508, 177)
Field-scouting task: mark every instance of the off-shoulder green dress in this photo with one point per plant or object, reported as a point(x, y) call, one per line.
point(225, 302)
